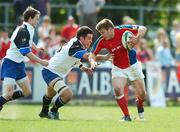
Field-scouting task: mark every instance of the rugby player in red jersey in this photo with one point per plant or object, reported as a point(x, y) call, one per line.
point(125, 65)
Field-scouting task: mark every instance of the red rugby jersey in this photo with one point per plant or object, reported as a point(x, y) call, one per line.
point(123, 58)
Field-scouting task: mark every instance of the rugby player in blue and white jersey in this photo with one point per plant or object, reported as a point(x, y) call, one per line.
point(60, 64)
point(13, 67)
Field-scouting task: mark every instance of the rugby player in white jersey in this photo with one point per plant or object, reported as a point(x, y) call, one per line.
point(13, 67)
point(60, 64)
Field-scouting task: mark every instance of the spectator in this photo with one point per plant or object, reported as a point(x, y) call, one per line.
point(88, 10)
point(164, 56)
point(161, 37)
point(19, 7)
point(144, 53)
point(55, 39)
point(43, 30)
point(177, 52)
point(128, 20)
point(4, 44)
point(69, 30)
point(174, 31)
point(44, 7)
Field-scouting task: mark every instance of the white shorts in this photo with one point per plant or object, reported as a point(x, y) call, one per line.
point(134, 72)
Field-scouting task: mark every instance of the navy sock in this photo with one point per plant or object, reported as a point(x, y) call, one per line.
point(58, 103)
point(17, 94)
point(140, 109)
point(46, 103)
point(2, 100)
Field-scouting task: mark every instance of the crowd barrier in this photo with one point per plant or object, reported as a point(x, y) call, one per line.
point(161, 84)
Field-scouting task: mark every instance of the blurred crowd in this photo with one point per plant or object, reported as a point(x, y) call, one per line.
point(163, 46)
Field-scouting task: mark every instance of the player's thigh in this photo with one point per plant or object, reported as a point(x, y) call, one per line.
point(119, 83)
point(50, 77)
point(58, 85)
point(139, 86)
point(119, 78)
point(54, 81)
point(24, 84)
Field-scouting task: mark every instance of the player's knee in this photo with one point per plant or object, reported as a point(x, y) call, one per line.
point(8, 93)
point(118, 91)
point(66, 95)
point(142, 95)
point(60, 86)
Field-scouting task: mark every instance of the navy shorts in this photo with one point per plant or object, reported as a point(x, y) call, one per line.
point(48, 75)
point(12, 69)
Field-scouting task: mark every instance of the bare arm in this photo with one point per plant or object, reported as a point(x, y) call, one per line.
point(141, 31)
point(105, 57)
point(135, 39)
point(85, 69)
point(33, 57)
point(37, 49)
point(98, 57)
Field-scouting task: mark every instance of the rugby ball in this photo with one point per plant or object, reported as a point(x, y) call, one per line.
point(125, 38)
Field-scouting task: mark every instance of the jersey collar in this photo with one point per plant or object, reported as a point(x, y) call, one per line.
point(28, 25)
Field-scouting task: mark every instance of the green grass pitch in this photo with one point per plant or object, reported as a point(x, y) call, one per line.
point(24, 118)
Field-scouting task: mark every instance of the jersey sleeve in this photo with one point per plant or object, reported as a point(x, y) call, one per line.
point(97, 46)
point(22, 41)
point(77, 51)
point(132, 28)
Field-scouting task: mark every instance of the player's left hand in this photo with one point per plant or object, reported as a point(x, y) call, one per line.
point(87, 70)
point(109, 57)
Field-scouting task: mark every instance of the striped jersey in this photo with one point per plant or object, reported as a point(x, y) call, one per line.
point(21, 42)
point(67, 57)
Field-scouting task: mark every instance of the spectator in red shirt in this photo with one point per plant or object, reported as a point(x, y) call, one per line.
point(69, 30)
point(4, 44)
point(145, 53)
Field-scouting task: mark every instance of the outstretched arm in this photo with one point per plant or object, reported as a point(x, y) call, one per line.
point(33, 57)
point(141, 31)
point(135, 39)
point(37, 48)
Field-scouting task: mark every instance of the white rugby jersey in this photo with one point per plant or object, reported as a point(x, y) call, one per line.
point(21, 42)
point(67, 57)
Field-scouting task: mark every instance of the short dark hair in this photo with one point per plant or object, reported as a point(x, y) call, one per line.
point(83, 31)
point(104, 24)
point(30, 12)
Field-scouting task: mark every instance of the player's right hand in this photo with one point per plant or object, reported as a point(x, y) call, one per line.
point(87, 70)
point(44, 63)
point(93, 65)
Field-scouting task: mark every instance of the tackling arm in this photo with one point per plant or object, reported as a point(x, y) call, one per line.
point(33, 57)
